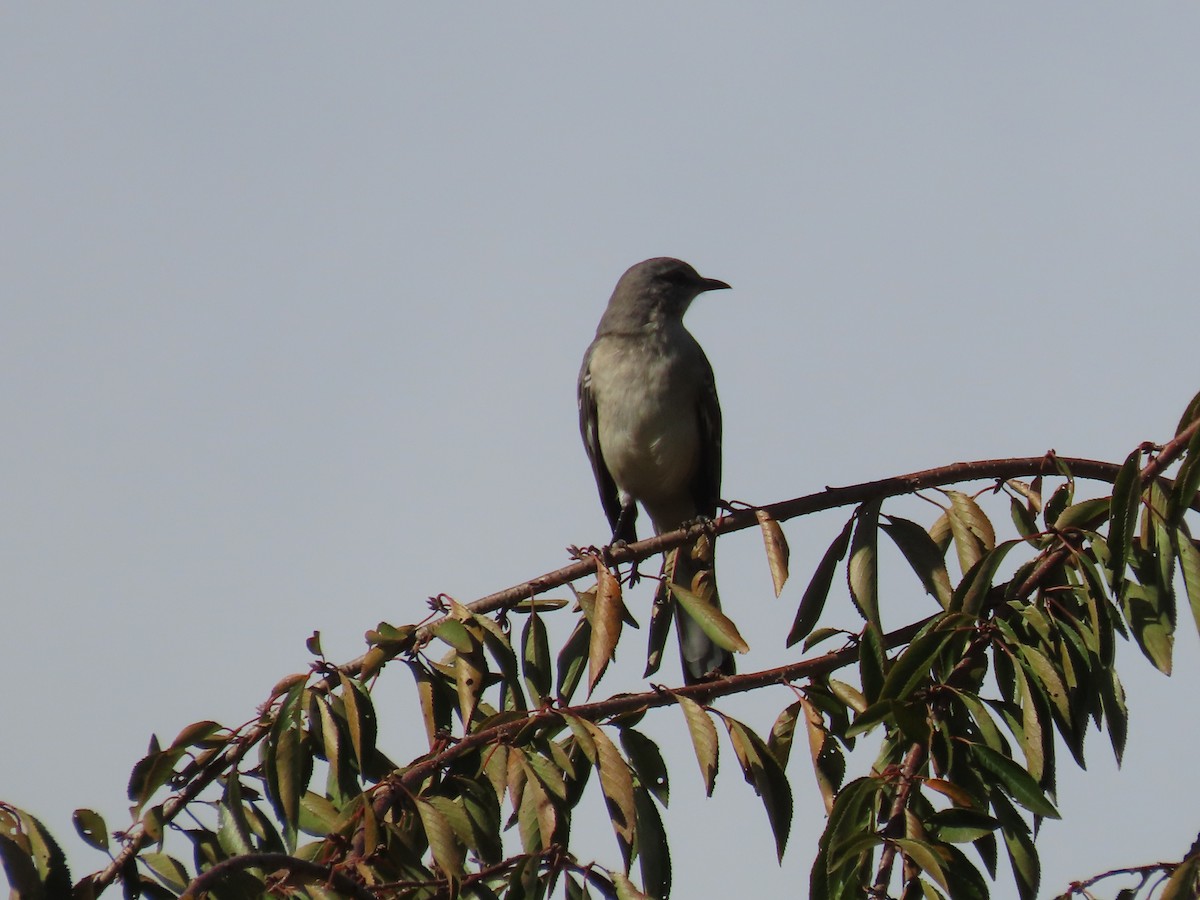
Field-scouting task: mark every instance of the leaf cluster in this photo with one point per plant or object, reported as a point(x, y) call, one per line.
point(968, 710)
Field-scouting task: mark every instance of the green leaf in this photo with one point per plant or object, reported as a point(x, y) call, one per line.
point(882, 711)
point(1015, 781)
point(719, 628)
point(872, 664)
point(764, 773)
point(853, 814)
point(535, 658)
point(912, 667)
point(960, 826)
point(151, 772)
point(1190, 414)
point(287, 765)
point(499, 647)
point(436, 701)
point(653, 853)
point(616, 783)
point(820, 635)
point(545, 771)
point(583, 737)
point(926, 858)
point(196, 735)
point(482, 809)
point(1086, 515)
point(1189, 565)
point(33, 861)
point(23, 878)
point(972, 591)
point(1112, 695)
point(1058, 501)
point(836, 873)
point(966, 883)
point(167, 869)
point(443, 842)
point(572, 659)
point(91, 828)
point(828, 764)
point(704, 739)
point(455, 813)
point(454, 633)
point(812, 604)
point(470, 677)
point(923, 555)
point(1024, 521)
point(360, 719)
point(780, 739)
point(862, 572)
point(1022, 855)
point(233, 830)
point(1041, 669)
point(536, 818)
point(647, 761)
point(1187, 481)
point(1126, 497)
point(971, 528)
point(1183, 881)
point(660, 626)
point(1033, 734)
point(626, 890)
point(1148, 613)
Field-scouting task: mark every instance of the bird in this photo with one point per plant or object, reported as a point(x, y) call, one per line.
point(651, 425)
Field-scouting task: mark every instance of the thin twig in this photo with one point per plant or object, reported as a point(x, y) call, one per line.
point(894, 827)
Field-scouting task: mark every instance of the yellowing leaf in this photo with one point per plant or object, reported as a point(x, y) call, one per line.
point(704, 739)
point(814, 725)
point(616, 782)
point(957, 795)
point(777, 549)
point(606, 620)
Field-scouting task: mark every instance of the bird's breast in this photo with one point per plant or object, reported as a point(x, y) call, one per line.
point(647, 416)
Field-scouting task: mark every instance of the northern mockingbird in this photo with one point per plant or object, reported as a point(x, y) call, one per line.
point(651, 423)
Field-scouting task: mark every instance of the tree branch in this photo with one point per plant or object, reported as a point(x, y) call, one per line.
point(830, 498)
point(272, 862)
point(913, 760)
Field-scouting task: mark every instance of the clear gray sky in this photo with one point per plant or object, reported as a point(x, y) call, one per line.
point(295, 296)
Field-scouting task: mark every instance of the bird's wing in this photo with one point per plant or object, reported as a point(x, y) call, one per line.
point(589, 428)
point(706, 484)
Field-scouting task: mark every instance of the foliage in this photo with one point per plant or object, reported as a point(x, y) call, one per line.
point(968, 710)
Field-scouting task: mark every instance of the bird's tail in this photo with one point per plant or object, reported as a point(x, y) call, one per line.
point(692, 568)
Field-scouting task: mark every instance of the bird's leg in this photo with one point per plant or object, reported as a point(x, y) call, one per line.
point(606, 555)
point(623, 529)
point(623, 532)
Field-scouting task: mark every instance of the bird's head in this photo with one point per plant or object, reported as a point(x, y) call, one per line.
point(660, 288)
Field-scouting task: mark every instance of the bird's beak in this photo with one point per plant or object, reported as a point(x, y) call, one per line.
point(713, 284)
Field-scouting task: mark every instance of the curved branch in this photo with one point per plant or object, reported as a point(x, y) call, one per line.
point(830, 498)
point(272, 862)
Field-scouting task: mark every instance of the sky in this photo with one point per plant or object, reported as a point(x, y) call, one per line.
point(295, 298)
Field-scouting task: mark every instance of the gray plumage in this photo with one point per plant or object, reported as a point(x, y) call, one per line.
point(651, 423)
